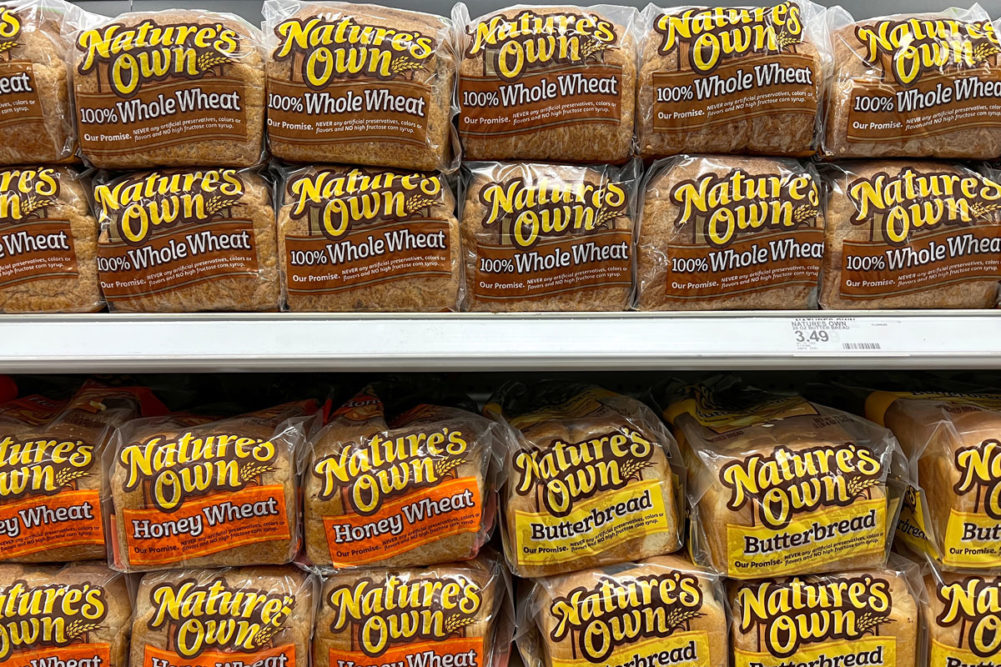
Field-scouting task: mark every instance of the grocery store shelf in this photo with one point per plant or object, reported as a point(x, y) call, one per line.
point(619, 341)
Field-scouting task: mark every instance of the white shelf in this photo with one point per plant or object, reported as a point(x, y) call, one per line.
point(620, 341)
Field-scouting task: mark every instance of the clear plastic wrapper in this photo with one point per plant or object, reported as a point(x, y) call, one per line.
point(778, 485)
point(361, 84)
point(914, 85)
point(240, 616)
point(594, 479)
point(732, 79)
point(174, 88)
point(401, 483)
point(909, 234)
point(719, 232)
point(662, 610)
point(962, 616)
point(547, 237)
point(362, 239)
point(547, 82)
point(186, 240)
point(190, 493)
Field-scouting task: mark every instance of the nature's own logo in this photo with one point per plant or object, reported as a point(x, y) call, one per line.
point(26, 193)
point(41, 467)
point(979, 469)
point(615, 612)
point(530, 41)
point(54, 615)
point(382, 468)
point(727, 32)
point(339, 201)
point(787, 482)
point(917, 46)
point(10, 29)
point(913, 202)
point(787, 615)
point(398, 610)
point(136, 55)
point(216, 616)
point(568, 472)
point(975, 605)
point(140, 206)
point(526, 214)
point(324, 48)
point(190, 465)
point(725, 207)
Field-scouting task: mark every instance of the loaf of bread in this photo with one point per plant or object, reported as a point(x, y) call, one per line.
point(547, 82)
point(914, 85)
point(720, 232)
point(732, 79)
point(359, 84)
point(361, 239)
point(188, 240)
point(962, 615)
point(662, 610)
point(176, 88)
point(590, 481)
point(911, 234)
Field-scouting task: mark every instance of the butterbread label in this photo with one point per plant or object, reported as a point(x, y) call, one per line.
point(973, 535)
point(973, 605)
point(746, 233)
point(913, 527)
point(540, 70)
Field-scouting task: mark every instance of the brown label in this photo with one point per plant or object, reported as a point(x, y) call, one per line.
point(36, 250)
point(18, 95)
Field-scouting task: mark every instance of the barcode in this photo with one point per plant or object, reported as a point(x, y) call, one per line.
point(861, 346)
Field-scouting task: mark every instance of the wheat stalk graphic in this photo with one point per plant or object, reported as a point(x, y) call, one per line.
point(210, 59)
point(33, 204)
point(804, 212)
point(982, 210)
point(66, 475)
point(859, 485)
point(592, 47)
point(7, 46)
point(263, 636)
point(79, 628)
point(680, 616)
point(985, 51)
point(252, 470)
point(218, 203)
point(630, 468)
point(417, 203)
point(604, 215)
point(456, 622)
point(784, 39)
point(444, 466)
point(868, 622)
point(405, 64)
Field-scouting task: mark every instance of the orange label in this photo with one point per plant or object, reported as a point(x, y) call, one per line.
point(81, 655)
point(18, 94)
point(279, 656)
point(216, 523)
point(37, 524)
point(36, 250)
point(450, 508)
point(457, 652)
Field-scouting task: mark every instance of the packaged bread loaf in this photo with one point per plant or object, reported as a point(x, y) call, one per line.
point(915, 85)
point(359, 84)
point(192, 494)
point(779, 485)
point(658, 611)
point(546, 237)
point(175, 88)
point(547, 82)
point(78, 614)
point(911, 235)
point(864, 617)
point(400, 483)
point(182, 240)
point(732, 79)
point(363, 239)
point(238, 616)
point(457, 614)
point(48, 241)
point(720, 232)
point(594, 479)
point(962, 615)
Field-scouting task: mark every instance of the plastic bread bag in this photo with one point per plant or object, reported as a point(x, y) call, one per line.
point(732, 79)
point(720, 232)
point(175, 88)
point(457, 614)
point(778, 485)
point(241, 616)
point(362, 239)
point(910, 234)
point(185, 240)
point(48, 240)
point(871, 616)
point(962, 617)
point(662, 610)
point(73, 614)
point(360, 84)
point(594, 479)
point(391, 482)
point(914, 85)
point(191, 494)
point(547, 237)
point(547, 82)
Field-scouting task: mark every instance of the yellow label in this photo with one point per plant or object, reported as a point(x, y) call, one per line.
point(972, 540)
point(818, 537)
point(911, 525)
point(947, 656)
point(682, 649)
point(591, 527)
point(869, 651)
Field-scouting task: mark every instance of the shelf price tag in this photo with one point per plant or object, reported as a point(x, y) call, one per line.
point(839, 334)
